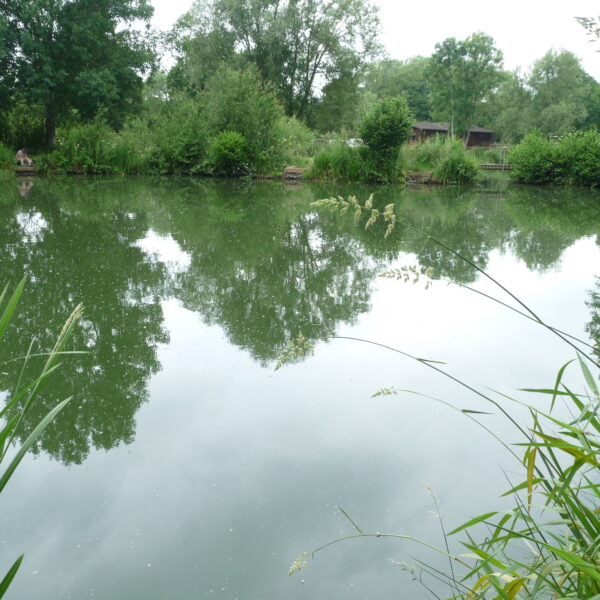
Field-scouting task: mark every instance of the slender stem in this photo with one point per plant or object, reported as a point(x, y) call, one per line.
point(506, 290)
point(390, 535)
point(446, 374)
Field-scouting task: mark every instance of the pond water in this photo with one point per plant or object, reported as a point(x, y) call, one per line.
point(186, 466)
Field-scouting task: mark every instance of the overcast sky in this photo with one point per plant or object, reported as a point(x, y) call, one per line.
point(523, 29)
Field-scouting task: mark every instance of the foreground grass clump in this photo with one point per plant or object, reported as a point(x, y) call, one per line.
point(574, 159)
point(547, 546)
point(19, 401)
point(447, 158)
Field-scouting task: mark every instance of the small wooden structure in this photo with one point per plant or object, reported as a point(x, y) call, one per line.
point(477, 137)
point(423, 130)
point(480, 137)
point(495, 167)
point(292, 173)
point(25, 170)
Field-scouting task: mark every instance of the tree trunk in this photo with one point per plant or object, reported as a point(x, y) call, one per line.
point(50, 128)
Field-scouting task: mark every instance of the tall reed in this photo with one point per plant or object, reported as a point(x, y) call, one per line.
point(21, 398)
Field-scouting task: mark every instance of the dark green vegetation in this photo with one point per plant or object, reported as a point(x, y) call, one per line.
point(383, 131)
point(462, 76)
point(445, 157)
point(573, 159)
point(63, 56)
point(286, 76)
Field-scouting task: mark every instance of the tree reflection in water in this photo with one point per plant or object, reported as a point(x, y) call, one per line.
point(263, 265)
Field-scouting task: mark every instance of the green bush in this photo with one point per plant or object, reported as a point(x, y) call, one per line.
point(22, 126)
point(535, 160)
point(228, 154)
point(86, 147)
point(179, 138)
point(241, 101)
point(387, 126)
point(455, 165)
point(574, 159)
point(578, 155)
point(383, 131)
point(448, 159)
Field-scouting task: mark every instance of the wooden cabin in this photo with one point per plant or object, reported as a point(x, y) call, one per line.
point(423, 130)
point(480, 137)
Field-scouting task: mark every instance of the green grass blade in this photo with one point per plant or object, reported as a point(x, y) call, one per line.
point(473, 521)
point(588, 376)
point(33, 436)
point(8, 311)
point(10, 575)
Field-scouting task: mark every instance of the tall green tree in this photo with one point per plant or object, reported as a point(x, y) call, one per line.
point(562, 91)
point(509, 110)
point(74, 54)
point(463, 75)
point(297, 45)
point(409, 78)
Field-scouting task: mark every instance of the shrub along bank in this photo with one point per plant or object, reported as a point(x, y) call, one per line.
point(235, 126)
point(446, 158)
point(573, 159)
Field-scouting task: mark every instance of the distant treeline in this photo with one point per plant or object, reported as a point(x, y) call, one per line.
point(254, 84)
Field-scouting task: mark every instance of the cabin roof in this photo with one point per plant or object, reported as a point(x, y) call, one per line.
point(444, 127)
point(429, 126)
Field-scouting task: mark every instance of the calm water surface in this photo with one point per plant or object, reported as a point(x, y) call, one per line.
point(186, 466)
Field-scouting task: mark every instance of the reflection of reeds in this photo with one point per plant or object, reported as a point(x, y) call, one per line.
point(556, 511)
point(297, 349)
point(23, 395)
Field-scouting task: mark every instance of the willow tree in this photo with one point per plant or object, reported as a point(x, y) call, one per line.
point(297, 45)
point(73, 54)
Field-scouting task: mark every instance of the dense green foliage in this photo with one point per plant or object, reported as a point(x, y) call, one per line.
point(556, 97)
point(177, 136)
point(7, 157)
point(389, 78)
point(462, 77)
point(241, 101)
point(383, 131)
point(292, 44)
point(387, 126)
point(340, 161)
point(574, 159)
point(74, 55)
point(448, 160)
point(228, 154)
